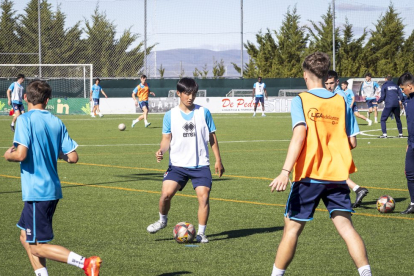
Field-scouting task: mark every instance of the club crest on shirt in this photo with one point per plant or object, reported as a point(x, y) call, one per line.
point(316, 116)
point(189, 129)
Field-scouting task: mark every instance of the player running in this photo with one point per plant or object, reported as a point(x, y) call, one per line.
point(351, 101)
point(187, 130)
point(142, 91)
point(95, 94)
point(15, 98)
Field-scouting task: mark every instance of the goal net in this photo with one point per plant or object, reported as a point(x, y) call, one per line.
point(70, 83)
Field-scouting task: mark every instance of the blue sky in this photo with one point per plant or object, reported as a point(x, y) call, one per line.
point(215, 24)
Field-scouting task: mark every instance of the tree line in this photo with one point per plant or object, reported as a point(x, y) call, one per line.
point(94, 43)
point(381, 51)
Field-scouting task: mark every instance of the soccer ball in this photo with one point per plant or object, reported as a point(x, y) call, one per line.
point(385, 204)
point(121, 127)
point(184, 232)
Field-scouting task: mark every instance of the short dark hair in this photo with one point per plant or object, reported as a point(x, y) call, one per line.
point(406, 78)
point(143, 76)
point(389, 78)
point(38, 92)
point(20, 76)
point(187, 85)
point(97, 79)
point(345, 82)
point(332, 74)
point(368, 74)
point(317, 63)
point(259, 77)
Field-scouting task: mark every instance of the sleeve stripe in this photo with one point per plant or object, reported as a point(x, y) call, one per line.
point(300, 122)
point(16, 142)
point(71, 150)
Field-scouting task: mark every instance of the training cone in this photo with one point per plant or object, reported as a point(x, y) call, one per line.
point(11, 112)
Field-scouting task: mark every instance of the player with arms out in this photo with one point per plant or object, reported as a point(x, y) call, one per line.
point(95, 95)
point(40, 139)
point(142, 91)
point(371, 90)
point(259, 92)
point(320, 156)
point(187, 130)
point(351, 101)
point(15, 98)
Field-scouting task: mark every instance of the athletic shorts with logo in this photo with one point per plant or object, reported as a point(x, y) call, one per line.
point(18, 107)
point(199, 176)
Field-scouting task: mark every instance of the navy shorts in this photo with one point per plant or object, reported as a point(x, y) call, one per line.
point(372, 103)
point(199, 177)
point(354, 108)
point(259, 99)
point(305, 197)
point(95, 101)
point(36, 220)
point(18, 107)
point(142, 104)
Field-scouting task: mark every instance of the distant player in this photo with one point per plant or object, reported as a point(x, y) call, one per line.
point(15, 98)
point(259, 92)
point(187, 130)
point(95, 94)
point(351, 102)
point(331, 85)
point(320, 156)
point(371, 90)
point(40, 139)
point(391, 95)
point(142, 91)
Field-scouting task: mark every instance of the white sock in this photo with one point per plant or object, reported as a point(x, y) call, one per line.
point(163, 218)
point(385, 134)
point(76, 260)
point(355, 188)
point(367, 120)
point(12, 124)
point(365, 270)
point(376, 120)
point(146, 121)
point(41, 272)
point(201, 229)
point(277, 272)
point(254, 113)
point(412, 203)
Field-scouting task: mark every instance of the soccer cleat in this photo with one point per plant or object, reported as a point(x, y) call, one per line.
point(201, 238)
point(360, 194)
point(263, 115)
point(147, 124)
point(156, 226)
point(383, 136)
point(101, 115)
point(369, 122)
point(134, 122)
point(12, 128)
point(254, 114)
point(92, 266)
point(93, 116)
point(400, 135)
point(410, 210)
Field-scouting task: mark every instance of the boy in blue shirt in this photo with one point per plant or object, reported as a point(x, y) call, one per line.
point(39, 140)
point(95, 94)
point(15, 98)
point(371, 89)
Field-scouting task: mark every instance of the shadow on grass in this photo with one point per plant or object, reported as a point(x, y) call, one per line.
point(176, 273)
point(373, 204)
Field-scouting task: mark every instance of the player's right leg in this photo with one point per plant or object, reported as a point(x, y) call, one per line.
point(255, 106)
point(145, 114)
point(17, 113)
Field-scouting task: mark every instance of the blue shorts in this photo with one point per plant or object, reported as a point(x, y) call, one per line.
point(372, 103)
point(95, 101)
point(259, 99)
point(354, 108)
point(36, 220)
point(142, 104)
point(18, 107)
point(305, 197)
point(199, 177)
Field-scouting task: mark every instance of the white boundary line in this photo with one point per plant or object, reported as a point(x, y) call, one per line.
point(375, 135)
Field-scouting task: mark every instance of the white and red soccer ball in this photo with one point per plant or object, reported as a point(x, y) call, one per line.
point(184, 232)
point(385, 204)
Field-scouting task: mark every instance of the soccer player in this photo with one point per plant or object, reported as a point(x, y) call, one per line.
point(351, 101)
point(331, 85)
point(259, 92)
point(371, 89)
point(320, 156)
point(95, 94)
point(187, 130)
point(142, 91)
point(40, 139)
point(15, 98)
point(392, 96)
point(406, 83)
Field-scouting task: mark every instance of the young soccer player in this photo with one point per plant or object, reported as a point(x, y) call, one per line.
point(259, 92)
point(187, 130)
point(351, 101)
point(95, 94)
point(391, 95)
point(40, 139)
point(406, 83)
point(142, 90)
point(320, 155)
point(331, 85)
point(15, 98)
point(371, 89)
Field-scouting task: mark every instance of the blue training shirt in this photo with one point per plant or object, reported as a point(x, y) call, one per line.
point(166, 125)
point(11, 87)
point(349, 96)
point(96, 90)
point(44, 135)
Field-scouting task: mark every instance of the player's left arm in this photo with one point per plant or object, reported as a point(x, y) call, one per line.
point(152, 93)
point(218, 167)
point(383, 94)
point(18, 154)
point(265, 91)
point(104, 93)
point(71, 157)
